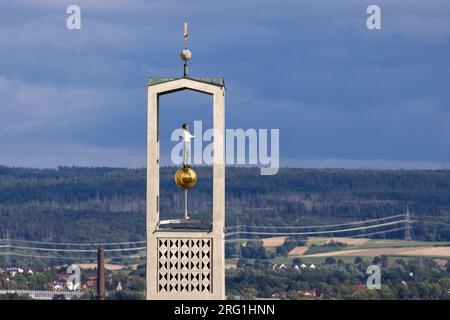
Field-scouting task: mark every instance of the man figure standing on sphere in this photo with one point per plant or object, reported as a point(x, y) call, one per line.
point(186, 136)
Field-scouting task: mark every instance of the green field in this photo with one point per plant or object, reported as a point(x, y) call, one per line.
point(370, 244)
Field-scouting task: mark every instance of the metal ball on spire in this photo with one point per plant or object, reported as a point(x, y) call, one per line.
point(186, 55)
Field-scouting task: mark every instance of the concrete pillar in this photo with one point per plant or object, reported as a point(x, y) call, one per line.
point(185, 264)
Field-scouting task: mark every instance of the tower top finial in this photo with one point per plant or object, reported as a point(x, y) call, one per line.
point(185, 54)
point(186, 35)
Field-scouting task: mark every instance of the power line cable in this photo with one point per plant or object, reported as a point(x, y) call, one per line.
point(318, 226)
point(378, 232)
point(69, 250)
point(316, 232)
point(75, 244)
point(355, 236)
point(63, 257)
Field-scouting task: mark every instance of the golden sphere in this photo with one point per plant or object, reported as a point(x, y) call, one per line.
point(185, 178)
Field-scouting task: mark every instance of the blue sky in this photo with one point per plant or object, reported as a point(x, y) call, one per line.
point(341, 95)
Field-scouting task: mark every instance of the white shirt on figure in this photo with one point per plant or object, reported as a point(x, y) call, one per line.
point(187, 136)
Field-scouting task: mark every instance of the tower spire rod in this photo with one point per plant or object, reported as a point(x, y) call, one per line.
point(186, 35)
point(185, 54)
point(186, 217)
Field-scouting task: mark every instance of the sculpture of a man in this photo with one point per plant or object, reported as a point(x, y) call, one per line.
point(186, 136)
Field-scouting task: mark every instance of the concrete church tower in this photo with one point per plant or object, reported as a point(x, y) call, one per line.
point(185, 258)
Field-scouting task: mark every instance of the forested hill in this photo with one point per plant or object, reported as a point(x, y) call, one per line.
point(108, 204)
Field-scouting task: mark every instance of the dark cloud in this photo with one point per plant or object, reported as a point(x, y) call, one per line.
point(338, 92)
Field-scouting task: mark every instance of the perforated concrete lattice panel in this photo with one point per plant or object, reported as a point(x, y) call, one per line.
point(184, 265)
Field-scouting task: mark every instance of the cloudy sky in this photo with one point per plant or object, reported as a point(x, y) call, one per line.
point(341, 95)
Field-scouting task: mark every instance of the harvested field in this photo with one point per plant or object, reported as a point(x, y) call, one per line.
point(298, 251)
point(427, 251)
point(273, 242)
point(402, 251)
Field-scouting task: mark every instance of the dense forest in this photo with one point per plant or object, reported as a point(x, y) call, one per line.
point(108, 204)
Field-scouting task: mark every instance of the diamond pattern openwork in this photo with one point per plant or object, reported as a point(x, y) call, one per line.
point(184, 265)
